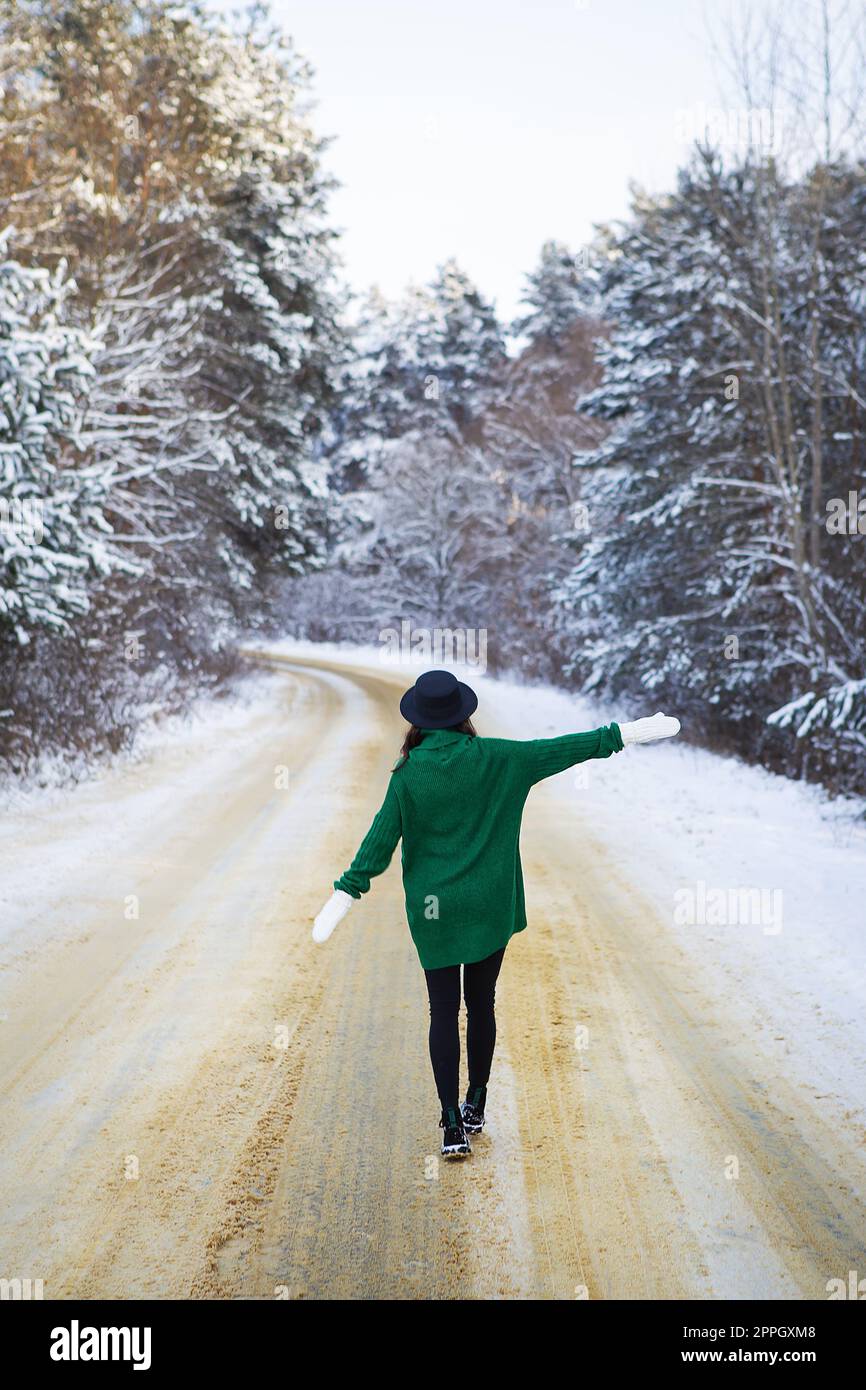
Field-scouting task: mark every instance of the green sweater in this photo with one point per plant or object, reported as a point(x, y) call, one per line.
point(457, 801)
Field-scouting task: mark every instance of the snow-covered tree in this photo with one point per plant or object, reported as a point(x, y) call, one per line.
point(196, 173)
point(268, 358)
point(461, 345)
point(273, 337)
point(390, 390)
point(557, 293)
point(428, 364)
point(166, 153)
point(697, 572)
point(54, 536)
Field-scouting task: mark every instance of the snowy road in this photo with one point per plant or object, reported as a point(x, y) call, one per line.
point(197, 1101)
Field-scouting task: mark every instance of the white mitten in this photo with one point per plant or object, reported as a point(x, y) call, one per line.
point(333, 912)
point(646, 730)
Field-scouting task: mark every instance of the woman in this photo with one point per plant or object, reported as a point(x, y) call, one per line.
point(457, 800)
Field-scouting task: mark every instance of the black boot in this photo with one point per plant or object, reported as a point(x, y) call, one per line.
point(472, 1109)
point(454, 1141)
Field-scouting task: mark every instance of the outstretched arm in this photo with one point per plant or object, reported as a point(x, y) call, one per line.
point(373, 857)
point(547, 756)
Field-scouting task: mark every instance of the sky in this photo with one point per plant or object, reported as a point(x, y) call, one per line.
point(482, 129)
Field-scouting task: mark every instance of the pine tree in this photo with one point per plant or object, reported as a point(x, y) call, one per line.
point(193, 211)
point(558, 293)
point(428, 363)
point(696, 572)
point(167, 155)
point(54, 536)
point(461, 345)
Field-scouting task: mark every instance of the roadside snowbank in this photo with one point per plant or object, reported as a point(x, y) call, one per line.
point(51, 836)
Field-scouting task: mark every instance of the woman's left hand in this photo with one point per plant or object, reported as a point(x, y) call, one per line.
point(648, 730)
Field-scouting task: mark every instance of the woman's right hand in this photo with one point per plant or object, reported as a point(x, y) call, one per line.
point(333, 912)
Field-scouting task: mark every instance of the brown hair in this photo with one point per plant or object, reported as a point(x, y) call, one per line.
point(413, 737)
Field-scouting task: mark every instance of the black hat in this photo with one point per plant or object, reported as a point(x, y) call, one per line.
point(437, 700)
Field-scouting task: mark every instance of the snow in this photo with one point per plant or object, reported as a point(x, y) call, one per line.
point(51, 834)
point(683, 820)
point(689, 820)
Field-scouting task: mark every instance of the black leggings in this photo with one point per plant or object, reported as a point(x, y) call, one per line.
point(479, 988)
